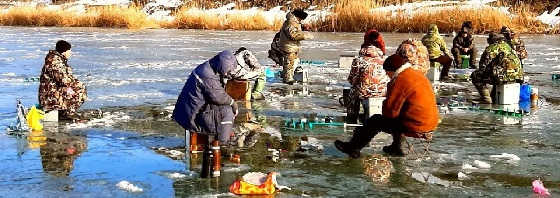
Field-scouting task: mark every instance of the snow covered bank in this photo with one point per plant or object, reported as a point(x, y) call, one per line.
point(551, 18)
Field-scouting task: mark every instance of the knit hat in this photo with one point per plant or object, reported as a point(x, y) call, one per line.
point(393, 62)
point(373, 38)
point(299, 13)
point(494, 38)
point(62, 46)
point(505, 30)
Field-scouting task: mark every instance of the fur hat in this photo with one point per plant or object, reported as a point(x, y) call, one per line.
point(299, 13)
point(62, 46)
point(393, 62)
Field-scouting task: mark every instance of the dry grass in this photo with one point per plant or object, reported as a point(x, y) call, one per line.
point(117, 17)
point(355, 16)
point(194, 18)
point(348, 16)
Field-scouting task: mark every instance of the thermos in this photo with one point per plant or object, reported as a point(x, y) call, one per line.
point(534, 97)
point(217, 159)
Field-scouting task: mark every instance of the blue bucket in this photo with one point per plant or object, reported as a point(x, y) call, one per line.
point(525, 93)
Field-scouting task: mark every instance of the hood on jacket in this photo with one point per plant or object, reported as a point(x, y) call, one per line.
point(373, 38)
point(223, 63)
point(56, 53)
point(371, 51)
point(433, 30)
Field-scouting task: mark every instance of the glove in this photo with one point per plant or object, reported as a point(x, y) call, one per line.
point(308, 36)
point(235, 109)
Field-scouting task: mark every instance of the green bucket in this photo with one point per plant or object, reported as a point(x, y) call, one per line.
point(466, 61)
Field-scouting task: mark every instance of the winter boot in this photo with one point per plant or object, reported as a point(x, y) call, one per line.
point(345, 147)
point(258, 89)
point(484, 95)
point(395, 148)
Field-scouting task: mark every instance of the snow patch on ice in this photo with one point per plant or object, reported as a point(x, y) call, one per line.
point(481, 164)
point(127, 186)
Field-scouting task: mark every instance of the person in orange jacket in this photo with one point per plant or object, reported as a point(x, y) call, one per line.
point(409, 109)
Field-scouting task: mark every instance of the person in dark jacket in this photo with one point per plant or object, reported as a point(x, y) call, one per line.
point(463, 44)
point(409, 110)
point(204, 106)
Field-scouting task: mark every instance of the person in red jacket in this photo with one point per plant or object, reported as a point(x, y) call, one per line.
point(409, 109)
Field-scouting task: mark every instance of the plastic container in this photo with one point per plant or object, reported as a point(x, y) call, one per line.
point(508, 93)
point(525, 93)
point(466, 61)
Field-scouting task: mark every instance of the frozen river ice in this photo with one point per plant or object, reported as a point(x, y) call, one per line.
point(135, 76)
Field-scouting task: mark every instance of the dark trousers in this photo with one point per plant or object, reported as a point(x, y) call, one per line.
point(458, 61)
point(445, 62)
point(373, 125)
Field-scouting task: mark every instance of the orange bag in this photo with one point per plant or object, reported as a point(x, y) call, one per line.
point(240, 187)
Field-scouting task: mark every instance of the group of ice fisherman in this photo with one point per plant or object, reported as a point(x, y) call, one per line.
point(408, 109)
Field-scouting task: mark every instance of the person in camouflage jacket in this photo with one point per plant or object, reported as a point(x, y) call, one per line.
point(416, 54)
point(463, 44)
point(368, 79)
point(58, 88)
point(515, 42)
point(437, 50)
point(289, 39)
point(498, 65)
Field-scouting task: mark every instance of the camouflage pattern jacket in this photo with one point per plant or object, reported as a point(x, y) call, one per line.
point(291, 34)
point(501, 61)
point(58, 88)
point(367, 77)
point(435, 43)
point(416, 54)
point(519, 46)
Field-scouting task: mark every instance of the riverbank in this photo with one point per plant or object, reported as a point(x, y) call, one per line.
point(341, 16)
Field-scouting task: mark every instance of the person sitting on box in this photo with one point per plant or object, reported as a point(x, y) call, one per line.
point(499, 64)
point(437, 50)
point(410, 109)
point(59, 89)
point(366, 76)
point(248, 68)
point(463, 44)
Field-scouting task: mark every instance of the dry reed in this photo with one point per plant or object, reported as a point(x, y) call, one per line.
point(348, 16)
point(117, 17)
point(356, 16)
point(194, 18)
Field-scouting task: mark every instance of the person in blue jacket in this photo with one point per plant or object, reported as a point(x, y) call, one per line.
point(204, 106)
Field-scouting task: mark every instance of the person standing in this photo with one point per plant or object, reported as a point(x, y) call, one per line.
point(410, 109)
point(289, 39)
point(437, 50)
point(463, 44)
point(59, 89)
